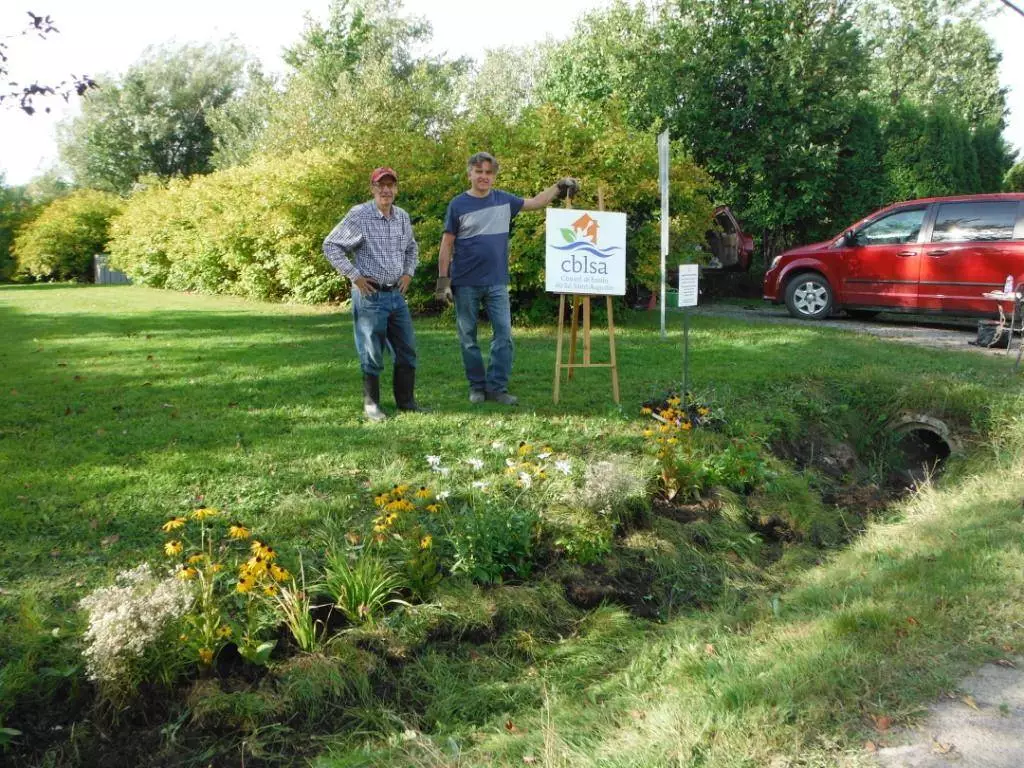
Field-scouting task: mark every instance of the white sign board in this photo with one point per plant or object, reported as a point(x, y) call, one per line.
point(688, 278)
point(586, 252)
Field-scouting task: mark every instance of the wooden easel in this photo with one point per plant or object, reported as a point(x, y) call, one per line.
point(581, 302)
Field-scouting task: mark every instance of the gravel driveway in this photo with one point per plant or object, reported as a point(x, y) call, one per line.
point(922, 330)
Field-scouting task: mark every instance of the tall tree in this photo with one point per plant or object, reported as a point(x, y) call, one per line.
point(356, 77)
point(766, 89)
point(153, 120)
point(933, 51)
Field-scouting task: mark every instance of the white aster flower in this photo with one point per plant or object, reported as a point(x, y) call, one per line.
point(509, 463)
point(434, 461)
point(525, 480)
point(444, 471)
point(480, 485)
point(497, 445)
point(564, 466)
point(475, 463)
point(443, 495)
point(543, 455)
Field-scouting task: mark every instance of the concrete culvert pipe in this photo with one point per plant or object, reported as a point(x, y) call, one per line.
point(920, 446)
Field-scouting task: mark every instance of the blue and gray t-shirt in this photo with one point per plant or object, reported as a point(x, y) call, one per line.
point(481, 226)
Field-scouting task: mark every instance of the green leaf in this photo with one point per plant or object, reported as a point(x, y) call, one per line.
point(569, 235)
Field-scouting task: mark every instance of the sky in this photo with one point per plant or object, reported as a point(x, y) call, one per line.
point(108, 36)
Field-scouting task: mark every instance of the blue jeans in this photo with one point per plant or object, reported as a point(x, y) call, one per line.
point(467, 307)
point(378, 319)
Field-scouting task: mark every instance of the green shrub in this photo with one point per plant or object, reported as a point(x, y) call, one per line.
point(61, 242)
point(257, 230)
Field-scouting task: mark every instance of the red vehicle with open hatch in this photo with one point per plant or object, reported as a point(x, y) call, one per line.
point(936, 255)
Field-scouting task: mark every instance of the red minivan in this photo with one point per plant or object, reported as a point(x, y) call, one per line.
point(934, 255)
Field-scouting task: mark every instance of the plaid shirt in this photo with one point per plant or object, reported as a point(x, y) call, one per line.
point(384, 248)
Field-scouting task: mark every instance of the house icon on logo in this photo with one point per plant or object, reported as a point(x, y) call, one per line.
point(585, 228)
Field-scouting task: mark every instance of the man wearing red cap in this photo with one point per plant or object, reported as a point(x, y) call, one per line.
point(377, 236)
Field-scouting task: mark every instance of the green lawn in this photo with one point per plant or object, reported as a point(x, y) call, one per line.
point(122, 407)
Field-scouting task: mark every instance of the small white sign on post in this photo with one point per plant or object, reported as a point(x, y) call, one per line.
point(688, 285)
point(586, 252)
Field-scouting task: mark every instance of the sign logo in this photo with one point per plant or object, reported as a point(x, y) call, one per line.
point(586, 252)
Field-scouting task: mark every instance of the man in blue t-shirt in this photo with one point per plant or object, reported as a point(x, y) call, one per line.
point(475, 248)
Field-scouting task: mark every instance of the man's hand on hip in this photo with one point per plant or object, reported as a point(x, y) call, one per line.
point(364, 286)
point(403, 283)
point(443, 289)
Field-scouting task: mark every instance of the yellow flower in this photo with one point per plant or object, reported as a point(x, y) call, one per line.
point(703, 411)
point(645, 411)
point(215, 568)
point(401, 490)
point(223, 631)
point(204, 512)
point(423, 493)
point(664, 428)
point(524, 448)
point(205, 655)
point(433, 508)
point(173, 524)
point(381, 500)
point(183, 637)
point(256, 566)
point(673, 401)
point(685, 426)
point(673, 440)
point(185, 574)
point(196, 559)
point(239, 532)
point(648, 432)
point(172, 548)
point(270, 590)
point(244, 584)
point(278, 573)
point(353, 538)
point(426, 541)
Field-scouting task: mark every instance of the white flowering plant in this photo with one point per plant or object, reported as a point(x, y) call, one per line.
point(131, 628)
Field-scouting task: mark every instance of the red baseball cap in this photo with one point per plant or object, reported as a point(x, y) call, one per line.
point(380, 173)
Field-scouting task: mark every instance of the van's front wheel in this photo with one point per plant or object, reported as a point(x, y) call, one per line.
point(809, 296)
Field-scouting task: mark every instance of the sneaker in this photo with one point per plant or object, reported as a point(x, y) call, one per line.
point(504, 398)
point(476, 396)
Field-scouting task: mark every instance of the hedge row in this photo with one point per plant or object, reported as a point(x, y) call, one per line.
point(257, 230)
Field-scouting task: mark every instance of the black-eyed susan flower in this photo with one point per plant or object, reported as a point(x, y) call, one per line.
point(645, 411)
point(205, 512)
point(186, 574)
point(433, 508)
point(426, 542)
point(173, 548)
point(223, 631)
point(239, 531)
point(278, 573)
point(245, 584)
point(382, 499)
point(270, 590)
point(206, 655)
point(173, 524)
point(401, 490)
point(423, 492)
point(197, 558)
point(215, 568)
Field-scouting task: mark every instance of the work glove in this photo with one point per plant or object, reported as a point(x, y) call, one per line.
point(567, 187)
point(443, 290)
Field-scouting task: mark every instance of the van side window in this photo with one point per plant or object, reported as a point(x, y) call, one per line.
point(972, 222)
point(896, 228)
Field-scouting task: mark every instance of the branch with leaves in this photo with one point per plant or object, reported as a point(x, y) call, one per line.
point(24, 95)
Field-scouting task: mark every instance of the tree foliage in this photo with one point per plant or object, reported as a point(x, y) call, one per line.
point(153, 120)
point(25, 95)
point(59, 244)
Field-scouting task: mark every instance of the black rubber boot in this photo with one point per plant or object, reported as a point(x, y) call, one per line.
point(371, 398)
point(405, 389)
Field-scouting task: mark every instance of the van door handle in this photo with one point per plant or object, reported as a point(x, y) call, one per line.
point(906, 254)
point(941, 252)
